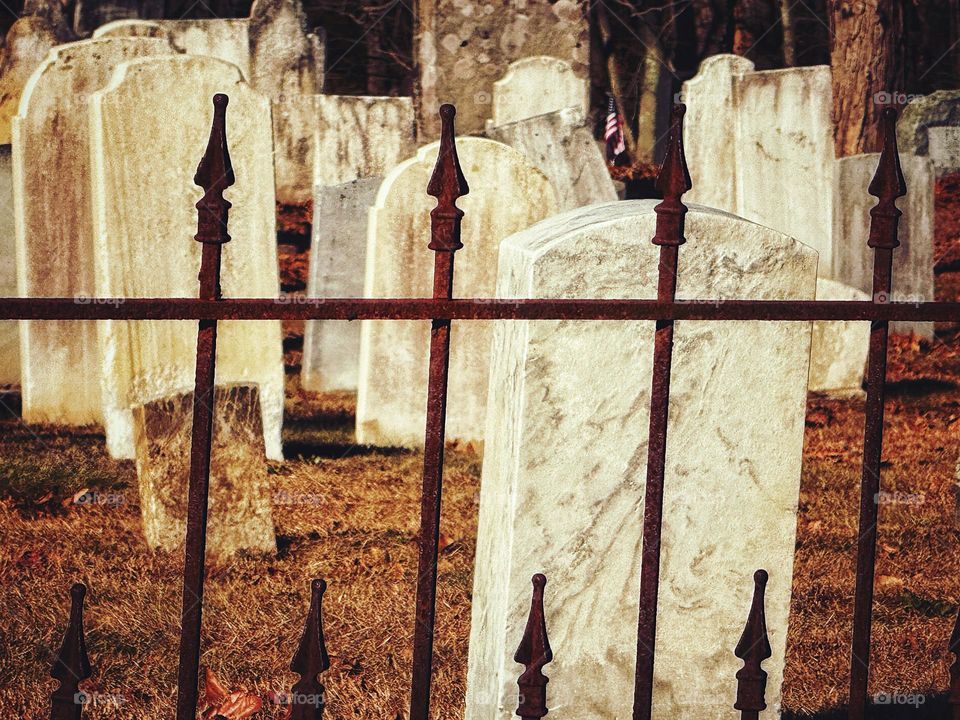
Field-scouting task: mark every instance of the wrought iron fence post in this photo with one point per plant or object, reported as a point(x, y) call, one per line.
point(71, 666)
point(446, 184)
point(214, 175)
point(887, 185)
point(534, 652)
point(753, 649)
point(307, 694)
point(673, 181)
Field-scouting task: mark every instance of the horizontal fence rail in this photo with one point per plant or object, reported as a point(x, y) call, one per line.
point(469, 309)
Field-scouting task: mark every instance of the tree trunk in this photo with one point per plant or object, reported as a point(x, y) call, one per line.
point(868, 59)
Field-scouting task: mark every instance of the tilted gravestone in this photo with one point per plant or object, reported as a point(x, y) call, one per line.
point(145, 219)
point(331, 349)
point(26, 45)
point(913, 261)
point(507, 194)
point(565, 463)
point(461, 48)
point(537, 86)
point(838, 351)
point(239, 510)
point(935, 113)
point(9, 332)
point(760, 144)
point(60, 361)
point(355, 141)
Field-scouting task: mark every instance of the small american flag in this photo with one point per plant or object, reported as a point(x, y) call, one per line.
point(613, 134)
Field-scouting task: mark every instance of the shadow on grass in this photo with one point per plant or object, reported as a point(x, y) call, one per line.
point(307, 439)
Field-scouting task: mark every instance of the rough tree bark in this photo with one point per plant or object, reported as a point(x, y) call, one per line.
point(868, 59)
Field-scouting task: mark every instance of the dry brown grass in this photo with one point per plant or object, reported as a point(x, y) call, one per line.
point(357, 528)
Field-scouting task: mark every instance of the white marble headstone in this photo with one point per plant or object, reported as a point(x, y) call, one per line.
point(145, 220)
point(565, 461)
point(507, 194)
point(535, 86)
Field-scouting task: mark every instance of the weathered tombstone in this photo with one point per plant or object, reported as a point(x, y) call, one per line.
point(565, 456)
point(331, 349)
point(913, 260)
point(506, 195)
point(461, 48)
point(560, 145)
point(148, 188)
point(28, 41)
point(60, 362)
point(536, 86)
point(9, 332)
point(91, 15)
point(239, 502)
point(780, 147)
point(938, 109)
point(285, 58)
point(838, 350)
point(944, 146)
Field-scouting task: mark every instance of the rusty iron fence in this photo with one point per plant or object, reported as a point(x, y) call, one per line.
point(447, 184)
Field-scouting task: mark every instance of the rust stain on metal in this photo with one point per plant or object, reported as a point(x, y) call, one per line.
point(887, 185)
point(673, 181)
point(534, 653)
point(447, 184)
point(753, 649)
point(307, 695)
point(71, 666)
point(214, 175)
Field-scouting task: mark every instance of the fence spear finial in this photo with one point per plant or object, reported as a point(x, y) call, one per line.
point(753, 649)
point(534, 652)
point(71, 665)
point(310, 660)
point(887, 185)
point(214, 175)
point(447, 183)
point(673, 181)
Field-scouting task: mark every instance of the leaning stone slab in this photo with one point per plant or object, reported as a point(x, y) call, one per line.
point(560, 145)
point(462, 48)
point(61, 371)
point(27, 43)
point(536, 86)
point(9, 332)
point(938, 109)
point(565, 460)
point(760, 144)
point(507, 194)
point(144, 221)
point(331, 348)
point(838, 352)
point(913, 260)
point(239, 515)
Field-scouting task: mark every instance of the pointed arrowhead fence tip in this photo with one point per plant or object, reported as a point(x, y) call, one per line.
point(888, 183)
point(673, 179)
point(311, 657)
point(215, 171)
point(754, 645)
point(447, 182)
point(72, 663)
point(534, 649)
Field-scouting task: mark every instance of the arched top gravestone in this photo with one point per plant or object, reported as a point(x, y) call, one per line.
point(149, 129)
point(51, 177)
point(536, 86)
point(507, 194)
point(565, 463)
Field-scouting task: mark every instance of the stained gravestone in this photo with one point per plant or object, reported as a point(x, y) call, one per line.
point(28, 41)
point(356, 141)
point(565, 458)
point(761, 146)
point(149, 188)
point(913, 261)
point(563, 148)
point(838, 352)
point(536, 86)
point(462, 48)
point(9, 333)
point(507, 194)
point(239, 500)
point(944, 149)
point(60, 362)
point(923, 113)
point(331, 349)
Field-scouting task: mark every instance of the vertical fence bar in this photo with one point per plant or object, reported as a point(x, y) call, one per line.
point(71, 665)
point(534, 652)
point(214, 175)
point(446, 184)
point(307, 695)
point(887, 186)
point(753, 649)
point(673, 181)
